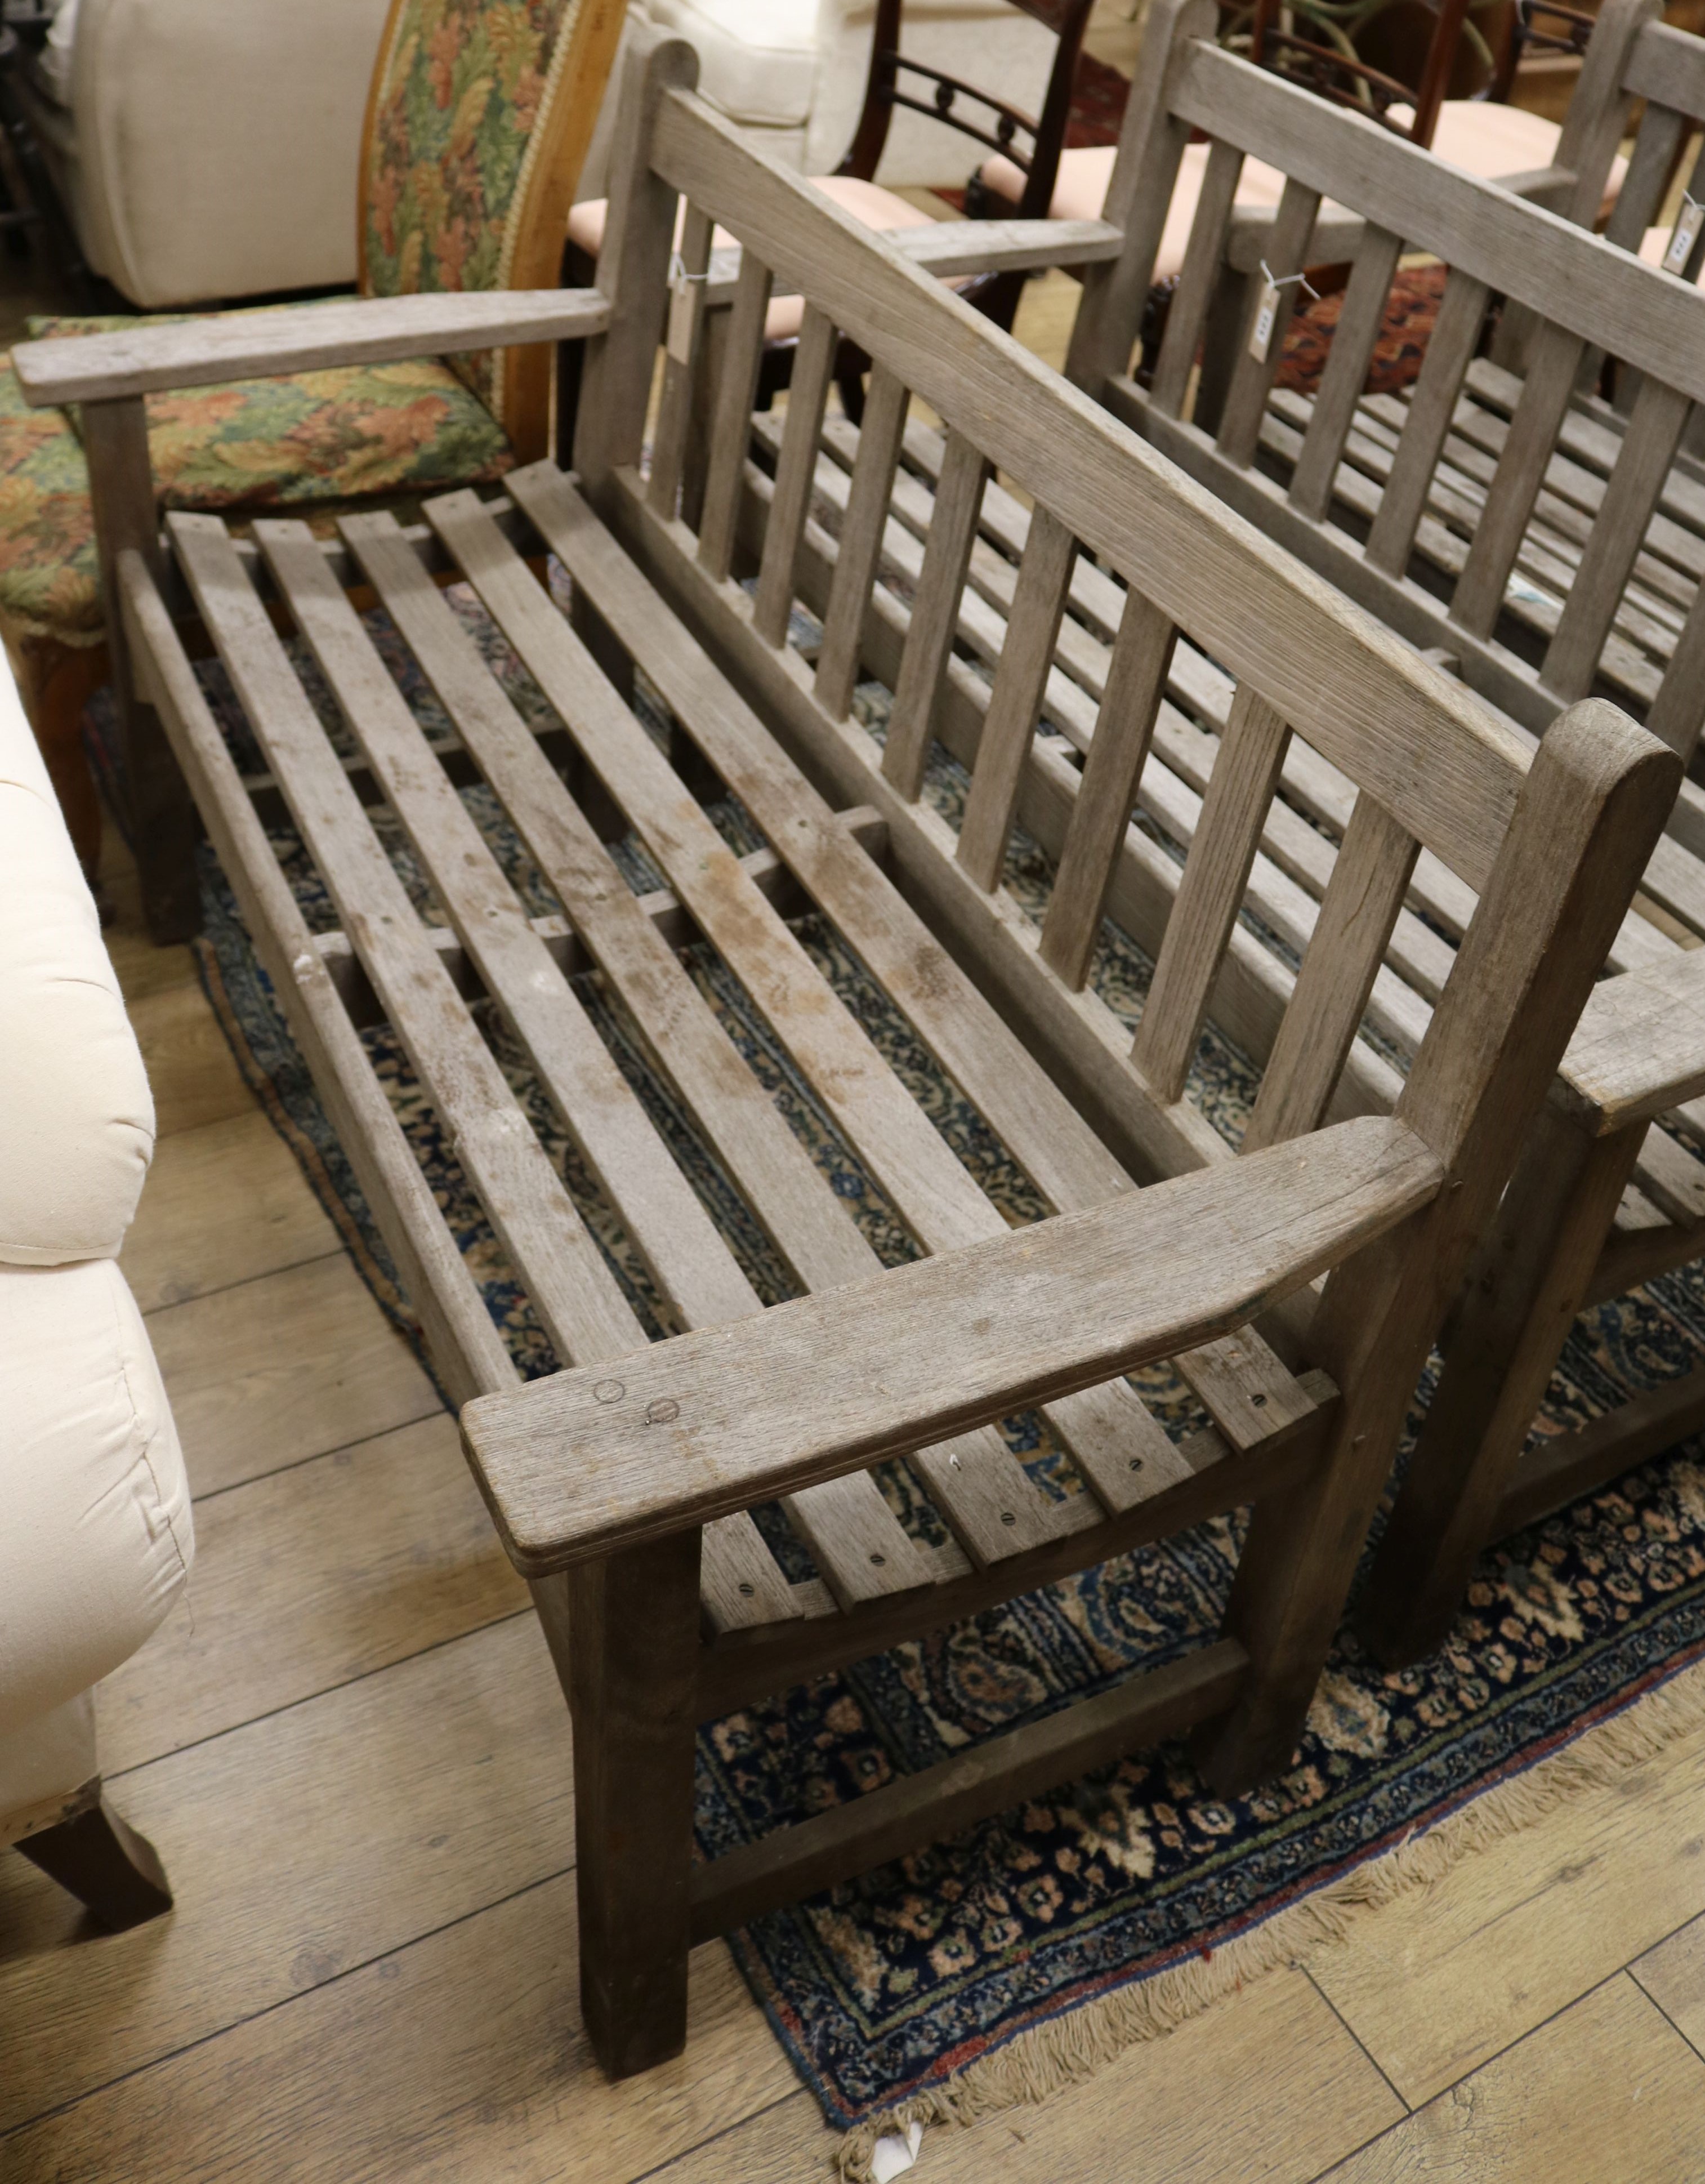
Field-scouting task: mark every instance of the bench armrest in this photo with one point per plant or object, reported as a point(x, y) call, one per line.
point(955, 249)
point(1639, 1049)
point(613, 1454)
point(271, 344)
point(383, 329)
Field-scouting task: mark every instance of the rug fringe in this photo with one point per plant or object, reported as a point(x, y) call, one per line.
point(1076, 2046)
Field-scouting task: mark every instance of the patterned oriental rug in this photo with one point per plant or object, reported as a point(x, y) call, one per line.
point(994, 1967)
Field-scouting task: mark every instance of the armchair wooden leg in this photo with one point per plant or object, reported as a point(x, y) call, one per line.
point(110, 1868)
point(1523, 1291)
point(630, 1624)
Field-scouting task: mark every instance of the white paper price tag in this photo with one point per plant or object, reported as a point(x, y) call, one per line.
point(1267, 311)
point(679, 342)
point(1686, 234)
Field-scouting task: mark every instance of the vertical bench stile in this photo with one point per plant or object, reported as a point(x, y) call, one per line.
point(1020, 680)
point(934, 614)
point(1215, 875)
point(1353, 338)
point(807, 399)
point(743, 356)
point(1198, 279)
point(880, 434)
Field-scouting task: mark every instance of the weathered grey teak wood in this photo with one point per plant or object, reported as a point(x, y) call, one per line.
point(1117, 1227)
point(1551, 543)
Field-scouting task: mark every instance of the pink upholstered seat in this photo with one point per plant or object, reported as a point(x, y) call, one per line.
point(1485, 140)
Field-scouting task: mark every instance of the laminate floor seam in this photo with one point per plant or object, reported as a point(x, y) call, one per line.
point(1632, 1969)
point(319, 1456)
point(313, 1698)
point(243, 1281)
point(711, 2138)
point(1492, 2055)
point(1361, 2043)
point(285, 2002)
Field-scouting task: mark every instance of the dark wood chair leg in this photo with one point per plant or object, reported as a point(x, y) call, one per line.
point(629, 1626)
point(56, 681)
point(99, 1859)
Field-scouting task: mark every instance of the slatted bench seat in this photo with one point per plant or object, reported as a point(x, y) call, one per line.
point(1540, 539)
point(624, 1483)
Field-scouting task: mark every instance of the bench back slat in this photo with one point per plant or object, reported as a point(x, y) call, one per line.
point(935, 615)
point(1198, 277)
point(886, 403)
point(737, 389)
point(1256, 364)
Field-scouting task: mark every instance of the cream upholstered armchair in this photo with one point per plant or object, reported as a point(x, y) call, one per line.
point(95, 1531)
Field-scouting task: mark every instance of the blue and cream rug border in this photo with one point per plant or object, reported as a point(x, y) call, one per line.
point(991, 1967)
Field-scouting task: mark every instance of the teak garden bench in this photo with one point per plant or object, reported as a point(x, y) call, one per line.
point(1545, 543)
point(623, 1484)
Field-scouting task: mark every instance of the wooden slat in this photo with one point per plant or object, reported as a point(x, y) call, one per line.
point(942, 1799)
point(1360, 908)
point(1204, 256)
point(1050, 1139)
point(1013, 709)
point(934, 614)
point(1211, 893)
point(767, 1406)
point(856, 1541)
point(693, 1269)
point(743, 353)
point(576, 1294)
point(469, 1352)
point(684, 360)
point(783, 1181)
point(1252, 378)
point(1654, 433)
point(1672, 1178)
point(1353, 338)
point(1479, 597)
point(886, 400)
point(1456, 334)
point(808, 391)
point(1136, 677)
point(1312, 781)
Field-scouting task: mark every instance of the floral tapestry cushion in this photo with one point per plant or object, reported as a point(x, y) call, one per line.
point(49, 583)
point(347, 434)
point(463, 87)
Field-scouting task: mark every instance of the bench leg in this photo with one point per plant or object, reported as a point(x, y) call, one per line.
point(631, 1623)
point(111, 1870)
point(1525, 1287)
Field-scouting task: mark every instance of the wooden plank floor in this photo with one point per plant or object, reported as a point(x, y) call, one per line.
point(349, 1747)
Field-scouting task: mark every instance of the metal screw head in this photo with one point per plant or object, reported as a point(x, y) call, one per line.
point(878, 1560)
point(746, 1587)
point(1136, 1463)
point(1008, 1518)
point(1259, 1402)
